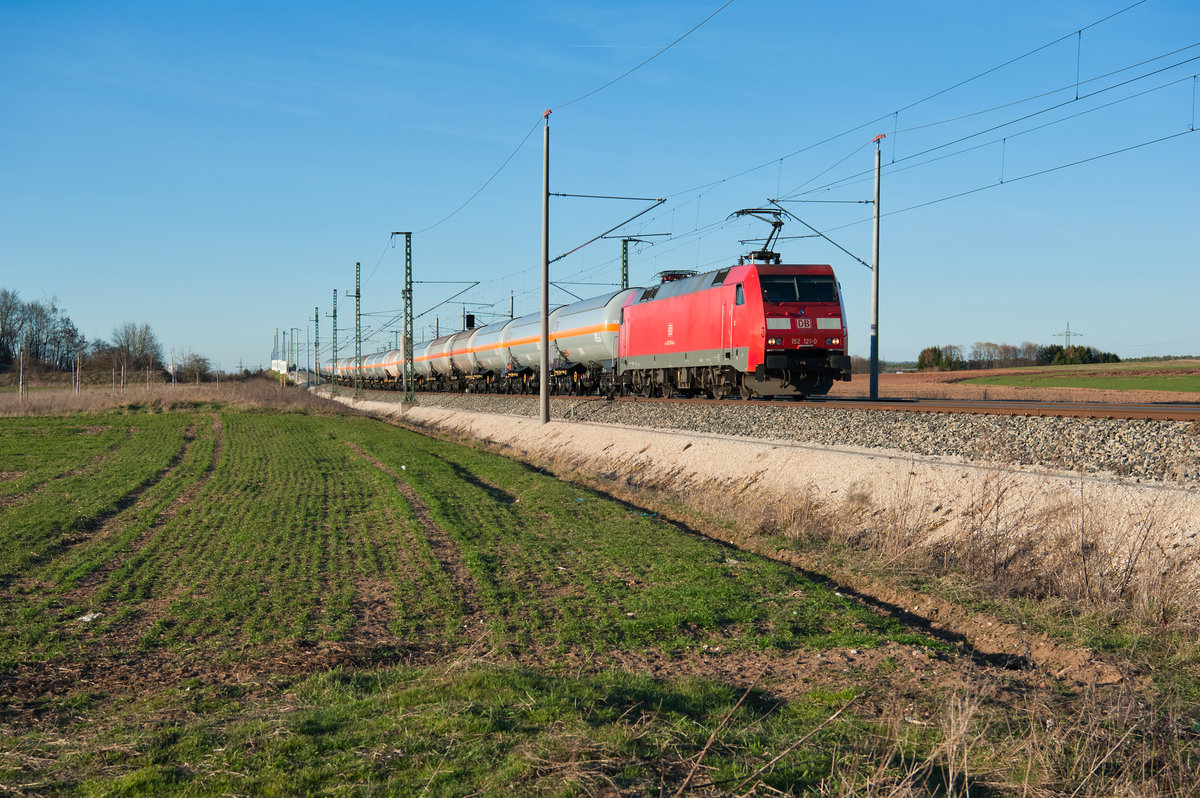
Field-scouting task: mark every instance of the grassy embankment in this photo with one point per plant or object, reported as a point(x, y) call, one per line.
point(211, 598)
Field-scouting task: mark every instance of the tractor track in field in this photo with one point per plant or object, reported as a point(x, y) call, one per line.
point(109, 522)
point(444, 549)
point(95, 461)
point(89, 584)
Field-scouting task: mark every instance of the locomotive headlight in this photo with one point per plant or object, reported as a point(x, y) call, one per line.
point(833, 341)
point(774, 341)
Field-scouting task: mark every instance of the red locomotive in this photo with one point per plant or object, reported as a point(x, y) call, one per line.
point(757, 328)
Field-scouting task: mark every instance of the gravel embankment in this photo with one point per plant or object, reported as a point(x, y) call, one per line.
point(1135, 450)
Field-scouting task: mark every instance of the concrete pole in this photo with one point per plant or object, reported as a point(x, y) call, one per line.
point(544, 377)
point(875, 283)
point(335, 357)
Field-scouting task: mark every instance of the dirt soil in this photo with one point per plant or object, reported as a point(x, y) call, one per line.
point(954, 385)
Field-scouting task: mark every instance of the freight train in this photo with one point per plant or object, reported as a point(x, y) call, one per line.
point(757, 328)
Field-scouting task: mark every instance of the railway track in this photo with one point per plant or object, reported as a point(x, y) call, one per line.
point(1146, 411)
point(1167, 411)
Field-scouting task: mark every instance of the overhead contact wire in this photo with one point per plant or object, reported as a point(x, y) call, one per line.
point(629, 72)
point(487, 182)
point(864, 175)
point(536, 124)
point(1009, 181)
point(912, 105)
point(1020, 119)
point(1012, 61)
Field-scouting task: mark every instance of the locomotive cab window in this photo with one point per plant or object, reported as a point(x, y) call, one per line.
point(739, 295)
point(799, 288)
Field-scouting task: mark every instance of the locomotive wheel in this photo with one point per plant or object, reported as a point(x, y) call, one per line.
point(746, 391)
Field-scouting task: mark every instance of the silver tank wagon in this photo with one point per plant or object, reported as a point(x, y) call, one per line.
point(586, 332)
point(525, 339)
point(462, 352)
point(491, 347)
point(422, 365)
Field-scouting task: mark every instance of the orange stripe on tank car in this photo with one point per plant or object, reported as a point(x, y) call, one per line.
point(554, 336)
point(595, 328)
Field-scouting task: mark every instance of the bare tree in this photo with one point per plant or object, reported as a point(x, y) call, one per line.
point(984, 353)
point(194, 367)
point(10, 324)
point(137, 347)
point(37, 326)
point(40, 330)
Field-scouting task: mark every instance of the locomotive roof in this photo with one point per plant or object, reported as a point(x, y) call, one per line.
point(718, 276)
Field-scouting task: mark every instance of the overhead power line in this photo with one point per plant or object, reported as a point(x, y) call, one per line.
point(629, 72)
point(1008, 181)
point(596, 90)
point(1040, 95)
point(1041, 172)
point(910, 106)
point(487, 182)
point(1012, 61)
point(863, 175)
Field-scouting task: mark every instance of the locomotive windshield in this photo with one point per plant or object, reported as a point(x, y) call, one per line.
point(799, 288)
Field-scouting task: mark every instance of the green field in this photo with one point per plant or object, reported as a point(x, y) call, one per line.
point(220, 601)
point(1114, 380)
point(286, 603)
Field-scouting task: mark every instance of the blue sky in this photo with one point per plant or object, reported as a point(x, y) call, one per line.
point(216, 169)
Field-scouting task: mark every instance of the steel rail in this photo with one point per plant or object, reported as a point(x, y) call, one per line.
point(1129, 411)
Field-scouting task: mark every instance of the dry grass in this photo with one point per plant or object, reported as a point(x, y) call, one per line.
point(1102, 747)
point(240, 394)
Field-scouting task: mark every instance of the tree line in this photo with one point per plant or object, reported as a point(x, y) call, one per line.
point(39, 334)
point(987, 355)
